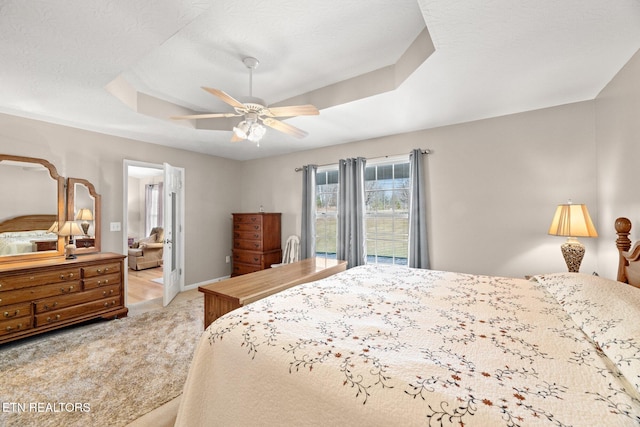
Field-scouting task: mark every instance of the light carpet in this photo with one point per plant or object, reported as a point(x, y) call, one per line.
point(107, 373)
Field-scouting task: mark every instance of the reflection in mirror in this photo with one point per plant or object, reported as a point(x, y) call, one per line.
point(32, 203)
point(83, 206)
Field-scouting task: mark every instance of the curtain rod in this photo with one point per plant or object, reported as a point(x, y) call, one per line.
point(424, 151)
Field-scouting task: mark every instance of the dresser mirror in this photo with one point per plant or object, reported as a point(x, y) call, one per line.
point(83, 206)
point(32, 195)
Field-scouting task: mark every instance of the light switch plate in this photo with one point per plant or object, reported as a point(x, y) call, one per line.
point(115, 226)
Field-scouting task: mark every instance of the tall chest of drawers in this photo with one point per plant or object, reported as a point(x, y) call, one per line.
point(256, 241)
point(43, 295)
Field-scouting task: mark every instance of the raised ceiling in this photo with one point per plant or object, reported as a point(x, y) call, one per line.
point(62, 60)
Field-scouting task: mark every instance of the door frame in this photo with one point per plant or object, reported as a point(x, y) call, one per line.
point(125, 220)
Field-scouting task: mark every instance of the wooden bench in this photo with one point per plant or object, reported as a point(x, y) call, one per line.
point(227, 295)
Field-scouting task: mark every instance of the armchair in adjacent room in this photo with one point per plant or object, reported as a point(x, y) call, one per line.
point(147, 253)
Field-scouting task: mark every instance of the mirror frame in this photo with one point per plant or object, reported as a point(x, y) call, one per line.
point(71, 196)
point(53, 172)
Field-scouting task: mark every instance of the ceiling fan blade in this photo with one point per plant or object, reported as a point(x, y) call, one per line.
point(293, 110)
point(224, 97)
point(205, 116)
point(284, 127)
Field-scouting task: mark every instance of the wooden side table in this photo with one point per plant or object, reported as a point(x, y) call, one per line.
point(227, 295)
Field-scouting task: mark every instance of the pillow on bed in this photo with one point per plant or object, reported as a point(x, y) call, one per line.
point(607, 311)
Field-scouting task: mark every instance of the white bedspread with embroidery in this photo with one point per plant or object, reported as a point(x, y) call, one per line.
point(387, 345)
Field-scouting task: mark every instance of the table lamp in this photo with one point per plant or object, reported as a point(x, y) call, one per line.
point(68, 230)
point(572, 221)
point(85, 216)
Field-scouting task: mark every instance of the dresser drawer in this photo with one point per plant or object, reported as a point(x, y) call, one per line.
point(15, 325)
point(99, 281)
point(247, 219)
point(239, 269)
point(251, 245)
point(248, 257)
point(37, 292)
point(99, 270)
point(247, 235)
point(15, 311)
point(8, 283)
point(247, 227)
point(63, 301)
point(69, 313)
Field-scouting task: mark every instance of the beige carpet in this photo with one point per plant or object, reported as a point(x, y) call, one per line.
point(107, 373)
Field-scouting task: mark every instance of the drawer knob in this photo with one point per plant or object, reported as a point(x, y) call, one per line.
point(55, 304)
point(104, 293)
point(18, 326)
point(7, 314)
point(51, 319)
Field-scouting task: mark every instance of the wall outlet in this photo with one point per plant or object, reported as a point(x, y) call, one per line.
point(115, 226)
point(227, 259)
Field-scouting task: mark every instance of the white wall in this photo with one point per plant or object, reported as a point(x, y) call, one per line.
point(618, 139)
point(493, 186)
point(210, 194)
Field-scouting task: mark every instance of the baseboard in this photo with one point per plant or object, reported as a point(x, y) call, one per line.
point(206, 282)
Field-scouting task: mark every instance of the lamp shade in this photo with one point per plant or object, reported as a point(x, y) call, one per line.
point(53, 228)
point(572, 221)
point(69, 228)
point(85, 214)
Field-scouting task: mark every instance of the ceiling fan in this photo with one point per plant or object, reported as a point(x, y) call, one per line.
point(255, 112)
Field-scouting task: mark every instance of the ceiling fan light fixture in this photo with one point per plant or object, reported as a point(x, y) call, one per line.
point(242, 130)
point(256, 132)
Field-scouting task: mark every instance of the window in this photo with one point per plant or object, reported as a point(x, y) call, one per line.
point(386, 216)
point(387, 212)
point(326, 212)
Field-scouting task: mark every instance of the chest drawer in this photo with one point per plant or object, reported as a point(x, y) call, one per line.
point(99, 270)
point(15, 325)
point(65, 314)
point(247, 235)
point(15, 311)
point(8, 283)
point(31, 293)
point(247, 227)
point(99, 281)
point(247, 257)
point(62, 301)
point(239, 269)
point(251, 245)
point(247, 219)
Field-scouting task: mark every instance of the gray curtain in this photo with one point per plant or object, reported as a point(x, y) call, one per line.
point(308, 232)
point(418, 250)
point(351, 209)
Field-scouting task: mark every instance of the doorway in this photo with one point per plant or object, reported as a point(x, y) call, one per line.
point(152, 230)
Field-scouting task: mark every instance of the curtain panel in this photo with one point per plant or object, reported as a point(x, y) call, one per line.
point(308, 229)
point(418, 250)
point(351, 210)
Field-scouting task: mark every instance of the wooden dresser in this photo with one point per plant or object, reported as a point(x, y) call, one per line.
point(256, 242)
point(39, 296)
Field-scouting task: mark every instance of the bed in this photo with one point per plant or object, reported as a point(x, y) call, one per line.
point(389, 345)
point(27, 233)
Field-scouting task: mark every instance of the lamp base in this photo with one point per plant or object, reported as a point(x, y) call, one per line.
point(573, 252)
point(70, 251)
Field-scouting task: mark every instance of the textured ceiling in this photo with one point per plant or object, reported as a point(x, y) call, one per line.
point(492, 57)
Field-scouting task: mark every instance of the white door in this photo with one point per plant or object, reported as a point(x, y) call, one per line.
point(173, 252)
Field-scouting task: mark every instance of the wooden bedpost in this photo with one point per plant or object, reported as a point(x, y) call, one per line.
point(623, 226)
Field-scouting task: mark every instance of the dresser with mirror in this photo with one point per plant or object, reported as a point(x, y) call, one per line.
point(52, 273)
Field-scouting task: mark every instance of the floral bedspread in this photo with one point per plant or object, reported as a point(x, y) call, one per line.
point(387, 345)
